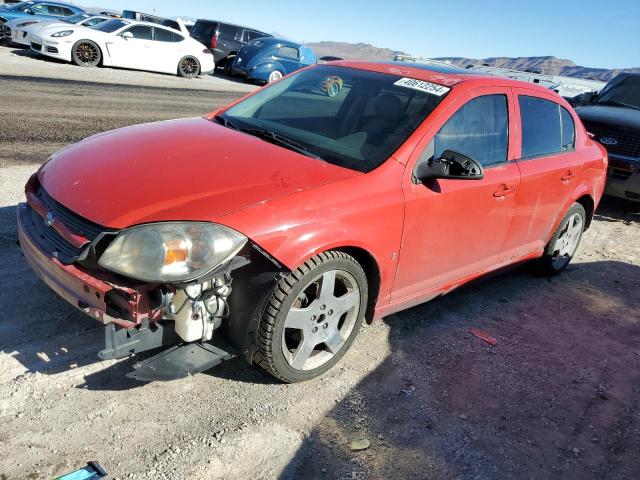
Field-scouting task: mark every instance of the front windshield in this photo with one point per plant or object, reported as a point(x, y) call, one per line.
point(110, 26)
point(348, 117)
point(626, 93)
point(77, 18)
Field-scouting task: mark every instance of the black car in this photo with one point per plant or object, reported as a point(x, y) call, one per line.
point(224, 39)
point(613, 117)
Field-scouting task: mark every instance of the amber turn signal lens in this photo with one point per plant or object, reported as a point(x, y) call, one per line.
point(176, 251)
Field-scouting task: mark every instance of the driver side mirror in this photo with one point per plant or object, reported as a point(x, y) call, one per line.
point(127, 35)
point(452, 165)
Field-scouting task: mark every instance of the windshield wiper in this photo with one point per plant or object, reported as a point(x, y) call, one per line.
point(281, 140)
point(226, 122)
point(615, 103)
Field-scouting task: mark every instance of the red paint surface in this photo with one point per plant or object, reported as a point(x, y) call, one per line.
point(424, 242)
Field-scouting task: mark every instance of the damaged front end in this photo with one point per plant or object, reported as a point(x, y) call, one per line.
point(200, 322)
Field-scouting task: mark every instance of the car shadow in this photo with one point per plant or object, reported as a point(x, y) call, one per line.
point(557, 396)
point(613, 209)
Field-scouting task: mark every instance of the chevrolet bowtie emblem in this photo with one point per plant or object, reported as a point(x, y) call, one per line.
point(49, 219)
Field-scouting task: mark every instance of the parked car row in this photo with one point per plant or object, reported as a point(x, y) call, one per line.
point(143, 41)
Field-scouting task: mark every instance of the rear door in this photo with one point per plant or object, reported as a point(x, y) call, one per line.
point(229, 39)
point(166, 50)
point(455, 229)
point(548, 162)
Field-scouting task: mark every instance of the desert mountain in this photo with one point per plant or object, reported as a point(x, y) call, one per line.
point(548, 64)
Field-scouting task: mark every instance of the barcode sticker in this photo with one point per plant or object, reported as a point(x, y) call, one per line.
point(423, 86)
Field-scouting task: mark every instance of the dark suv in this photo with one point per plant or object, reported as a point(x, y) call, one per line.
point(224, 39)
point(613, 117)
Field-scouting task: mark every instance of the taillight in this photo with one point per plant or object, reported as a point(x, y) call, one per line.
point(214, 41)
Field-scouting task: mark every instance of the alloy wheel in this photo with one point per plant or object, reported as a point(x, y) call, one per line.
point(567, 242)
point(321, 320)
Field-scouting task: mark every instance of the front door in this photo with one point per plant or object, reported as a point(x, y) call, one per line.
point(132, 52)
point(457, 228)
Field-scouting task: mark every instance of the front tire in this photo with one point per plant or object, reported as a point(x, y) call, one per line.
point(189, 67)
point(312, 317)
point(564, 242)
point(86, 53)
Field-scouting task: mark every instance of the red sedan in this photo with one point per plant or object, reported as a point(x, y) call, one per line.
point(273, 227)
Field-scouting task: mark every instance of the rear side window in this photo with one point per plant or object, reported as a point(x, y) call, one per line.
point(141, 32)
point(162, 35)
point(229, 32)
point(547, 128)
point(480, 130)
point(250, 35)
point(287, 52)
point(66, 11)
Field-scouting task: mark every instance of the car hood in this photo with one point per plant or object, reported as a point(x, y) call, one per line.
point(625, 117)
point(189, 169)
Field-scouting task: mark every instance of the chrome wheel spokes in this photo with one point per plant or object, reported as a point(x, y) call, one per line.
point(321, 320)
point(567, 242)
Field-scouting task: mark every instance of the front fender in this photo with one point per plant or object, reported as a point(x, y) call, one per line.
point(365, 211)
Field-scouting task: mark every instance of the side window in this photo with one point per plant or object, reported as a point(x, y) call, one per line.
point(287, 52)
point(162, 35)
point(568, 130)
point(66, 11)
point(480, 130)
point(547, 128)
point(40, 9)
point(229, 32)
point(141, 32)
point(250, 35)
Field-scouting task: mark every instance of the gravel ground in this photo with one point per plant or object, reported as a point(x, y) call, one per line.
point(558, 396)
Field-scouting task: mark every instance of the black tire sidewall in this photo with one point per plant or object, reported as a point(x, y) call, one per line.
point(547, 259)
point(182, 74)
point(75, 59)
point(285, 371)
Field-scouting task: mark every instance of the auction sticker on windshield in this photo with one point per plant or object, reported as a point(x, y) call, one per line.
point(423, 86)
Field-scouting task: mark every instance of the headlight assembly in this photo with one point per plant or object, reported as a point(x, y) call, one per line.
point(171, 251)
point(64, 33)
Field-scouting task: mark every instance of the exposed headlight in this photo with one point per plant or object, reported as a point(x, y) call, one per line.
point(63, 33)
point(171, 251)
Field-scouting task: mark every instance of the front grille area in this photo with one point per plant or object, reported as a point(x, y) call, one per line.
point(52, 50)
point(49, 240)
point(628, 140)
point(74, 222)
point(36, 46)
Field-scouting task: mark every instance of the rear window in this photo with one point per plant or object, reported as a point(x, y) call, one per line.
point(162, 35)
point(204, 31)
point(545, 129)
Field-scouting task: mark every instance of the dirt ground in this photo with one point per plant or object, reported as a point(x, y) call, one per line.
point(558, 396)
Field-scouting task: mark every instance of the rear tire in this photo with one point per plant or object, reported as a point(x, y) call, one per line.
point(274, 76)
point(564, 242)
point(86, 53)
point(189, 67)
point(312, 317)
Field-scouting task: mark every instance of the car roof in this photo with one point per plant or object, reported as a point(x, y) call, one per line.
point(280, 41)
point(440, 74)
point(234, 25)
point(132, 22)
point(61, 4)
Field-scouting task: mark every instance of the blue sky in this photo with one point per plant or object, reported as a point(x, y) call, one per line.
point(591, 33)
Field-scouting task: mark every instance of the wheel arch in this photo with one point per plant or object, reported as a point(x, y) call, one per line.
point(588, 204)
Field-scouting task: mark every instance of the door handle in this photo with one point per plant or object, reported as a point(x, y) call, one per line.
point(568, 176)
point(506, 190)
